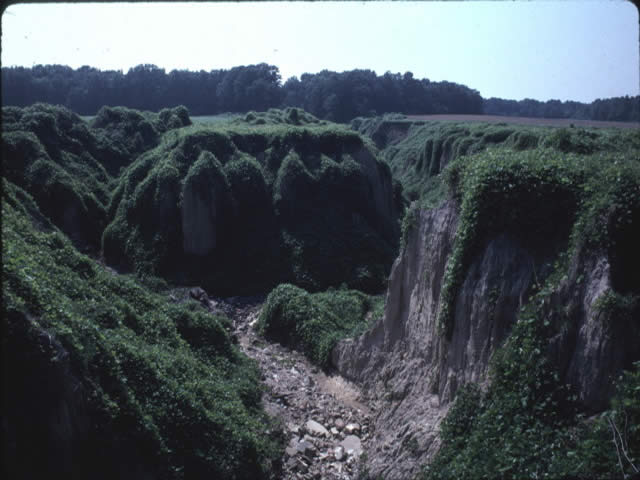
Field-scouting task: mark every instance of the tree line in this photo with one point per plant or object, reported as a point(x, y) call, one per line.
point(617, 109)
point(328, 95)
point(336, 96)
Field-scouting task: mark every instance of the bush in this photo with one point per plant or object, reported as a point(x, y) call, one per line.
point(313, 323)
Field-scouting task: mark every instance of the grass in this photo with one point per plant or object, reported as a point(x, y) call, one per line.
point(213, 119)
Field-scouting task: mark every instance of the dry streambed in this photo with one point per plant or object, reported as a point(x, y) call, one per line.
point(327, 428)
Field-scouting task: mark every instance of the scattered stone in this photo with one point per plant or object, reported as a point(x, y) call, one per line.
point(352, 445)
point(316, 429)
point(198, 293)
point(352, 428)
point(291, 464)
point(293, 428)
point(291, 451)
point(314, 418)
point(302, 467)
point(306, 448)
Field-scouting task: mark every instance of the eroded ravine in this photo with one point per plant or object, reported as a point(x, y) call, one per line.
point(327, 425)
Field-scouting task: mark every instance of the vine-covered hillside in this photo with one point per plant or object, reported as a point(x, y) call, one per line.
point(106, 378)
point(240, 207)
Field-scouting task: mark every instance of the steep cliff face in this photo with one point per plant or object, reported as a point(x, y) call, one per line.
point(413, 369)
point(397, 360)
point(592, 345)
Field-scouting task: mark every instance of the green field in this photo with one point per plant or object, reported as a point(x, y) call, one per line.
point(223, 117)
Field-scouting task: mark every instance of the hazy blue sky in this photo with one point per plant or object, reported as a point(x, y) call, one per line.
point(570, 50)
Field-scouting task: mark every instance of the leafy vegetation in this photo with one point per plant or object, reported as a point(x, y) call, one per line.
point(539, 196)
point(156, 388)
point(314, 322)
point(577, 194)
point(69, 166)
point(329, 95)
point(244, 204)
point(133, 132)
point(419, 151)
point(527, 424)
point(288, 203)
point(337, 96)
point(290, 116)
point(50, 152)
point(610, 109)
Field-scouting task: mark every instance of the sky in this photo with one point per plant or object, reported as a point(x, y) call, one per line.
point(563, 49)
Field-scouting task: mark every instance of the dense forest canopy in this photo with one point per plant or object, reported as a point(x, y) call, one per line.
point(617, 109)
point(331, 95)
point(336, 96)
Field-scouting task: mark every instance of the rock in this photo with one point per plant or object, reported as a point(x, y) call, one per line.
point(316, 429)
point(306, 448)
point(352, 428)
point(294, 441)
point(338, 453)
point(302, 467)
point(291, 451)
point(292, 463)
point(339, 423)
point(293, 428)
point(352, 445)
point(334, 431)
point(198, 293)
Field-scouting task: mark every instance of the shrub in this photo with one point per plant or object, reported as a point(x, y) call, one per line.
point(313, 323)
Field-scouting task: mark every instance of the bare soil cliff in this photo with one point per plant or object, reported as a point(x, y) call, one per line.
point(412, 369)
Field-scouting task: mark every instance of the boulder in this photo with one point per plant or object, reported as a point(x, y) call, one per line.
point(352, 445)
point(316, 429)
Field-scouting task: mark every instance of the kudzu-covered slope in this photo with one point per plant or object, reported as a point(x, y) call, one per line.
point(418, 151)
point(68, 165)
point(241, 207)
point(104, 378)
